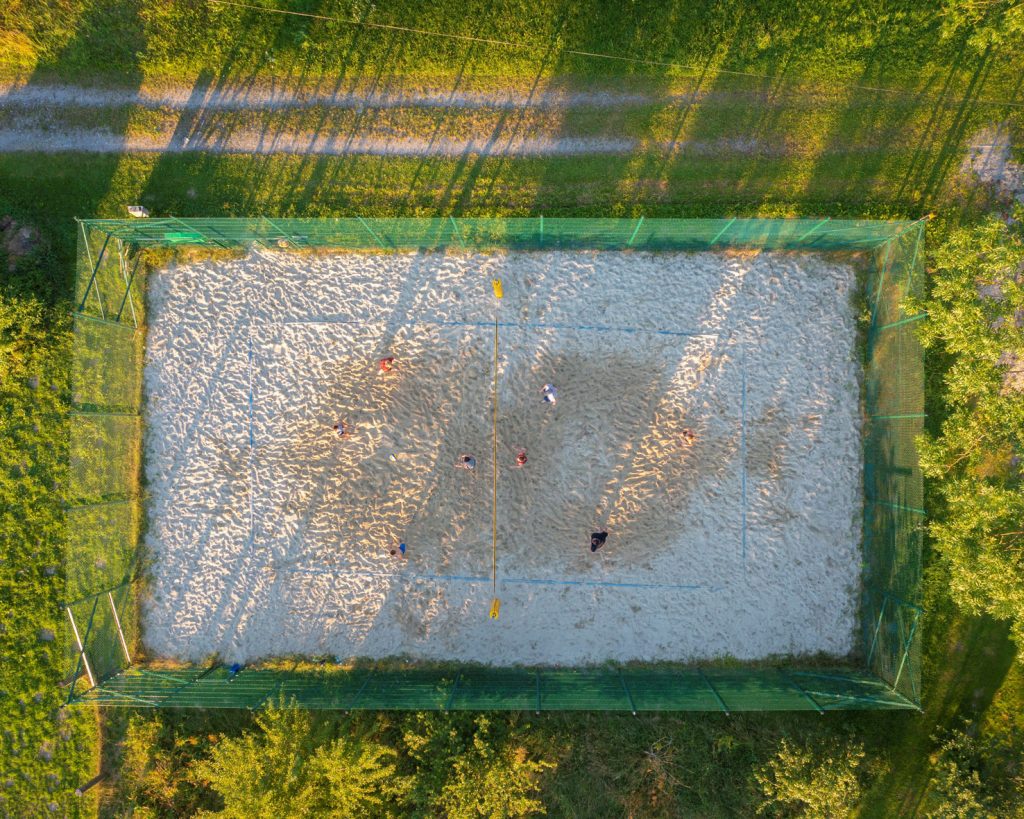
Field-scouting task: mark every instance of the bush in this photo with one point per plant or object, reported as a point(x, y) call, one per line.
point(821, 779)
point(471, 767)
point(954, 788)
point(283, 770)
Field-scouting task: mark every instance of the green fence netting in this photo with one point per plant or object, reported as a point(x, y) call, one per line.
point(104, 507)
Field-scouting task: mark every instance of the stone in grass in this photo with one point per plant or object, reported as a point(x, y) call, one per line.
point(46, 635)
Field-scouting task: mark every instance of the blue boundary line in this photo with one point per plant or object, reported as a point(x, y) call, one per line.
point(743, 452)
point(512, 580)
point(598, 328)
point(252, 437)
point(252, 453)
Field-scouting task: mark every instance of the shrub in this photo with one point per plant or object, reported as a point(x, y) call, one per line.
point(821, 779)
point(282, 770)
point(954, 787)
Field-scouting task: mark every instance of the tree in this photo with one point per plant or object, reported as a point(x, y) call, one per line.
point(820, 780)
point(469, 767)
point(281, 770)
point(954, 788)
point(984, 23)
point(976, 322)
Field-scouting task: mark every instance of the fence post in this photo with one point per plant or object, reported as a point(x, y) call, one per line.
point(906, 648)
point(636, 230)
point(802, 690)
point(81, 654)
point(117, 622)
point(369, 230)
point(95, 270)
point(721, 233)
point(451, 695)
point(813, 229)
point(878, 626)
point(714, 690)
point(629, 696)
point(455, 230)
point(128, 290)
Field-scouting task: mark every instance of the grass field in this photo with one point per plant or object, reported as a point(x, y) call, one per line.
point(824, 143)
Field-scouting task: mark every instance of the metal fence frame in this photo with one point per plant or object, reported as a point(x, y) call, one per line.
point(104, 507)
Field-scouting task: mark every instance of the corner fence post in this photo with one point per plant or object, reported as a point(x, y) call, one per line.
point(120, 633)
point(95, 270)
point(82, 659)
point(128, 290)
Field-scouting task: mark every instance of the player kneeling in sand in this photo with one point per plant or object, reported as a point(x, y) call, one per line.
point(466, 462)
point(341, 429)
point(597, 540)
point(550, 393)
point(387, 364)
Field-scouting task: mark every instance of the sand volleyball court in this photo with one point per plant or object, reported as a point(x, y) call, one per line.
point(270, 535)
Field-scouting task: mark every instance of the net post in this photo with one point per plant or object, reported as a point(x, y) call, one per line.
point(536, 674)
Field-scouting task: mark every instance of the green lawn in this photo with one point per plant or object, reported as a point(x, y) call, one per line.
point(836, 150)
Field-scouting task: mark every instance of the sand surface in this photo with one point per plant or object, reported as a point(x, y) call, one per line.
point(269, 535)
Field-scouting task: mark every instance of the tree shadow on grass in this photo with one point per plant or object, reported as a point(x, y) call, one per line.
point(81, 194)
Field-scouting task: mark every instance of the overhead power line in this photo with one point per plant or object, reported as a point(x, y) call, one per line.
point(597, 55)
